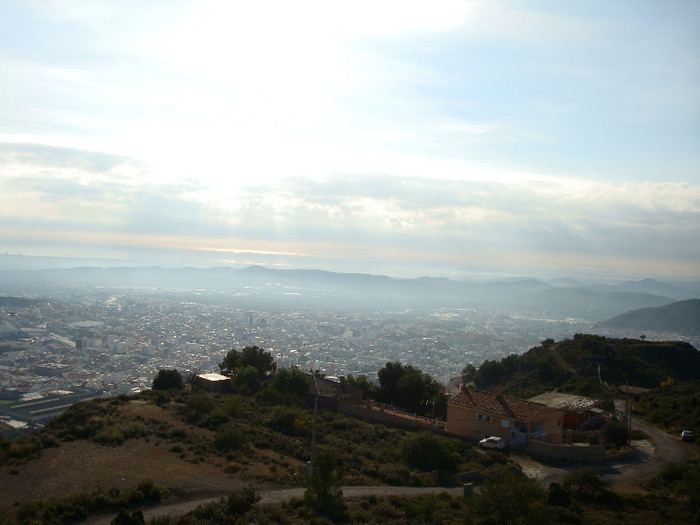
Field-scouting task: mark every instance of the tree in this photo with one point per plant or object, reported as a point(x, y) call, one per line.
point(249, 356)
point(369, 389)
point(168, 379)
point(323, 490)
point(245, 380)
point(468, 372)
point(291, 381)
point(231, 362)
point(407, 387)
point(489, 373)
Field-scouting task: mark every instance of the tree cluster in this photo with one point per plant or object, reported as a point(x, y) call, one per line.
point(408, 387)
point(252, 356)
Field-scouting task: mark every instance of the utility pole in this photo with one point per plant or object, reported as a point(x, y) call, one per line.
point(628, 411)
point(310, 466)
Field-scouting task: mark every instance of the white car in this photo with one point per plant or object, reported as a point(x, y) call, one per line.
point(492, 442)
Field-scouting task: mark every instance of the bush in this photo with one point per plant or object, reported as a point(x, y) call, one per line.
point(290, 420)
point(557, 496)
point(425, 452)
point(615, 433)
point(586, 483)
point(229, 437)
point(80, 506)
point(512, 498)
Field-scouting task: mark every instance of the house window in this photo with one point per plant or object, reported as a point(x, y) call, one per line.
point(505, 423)
point(482, 417)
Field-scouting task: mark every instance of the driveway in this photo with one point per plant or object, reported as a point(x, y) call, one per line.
point(652, 455)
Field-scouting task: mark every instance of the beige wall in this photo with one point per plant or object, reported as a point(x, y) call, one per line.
point(464, 422)
point(552, 416)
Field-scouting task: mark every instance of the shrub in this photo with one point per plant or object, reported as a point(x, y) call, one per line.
point(586, 483)
point(425, 451)
point(229, 437)
point(512, 498)
point(290, 420)
point(323, 492)
point(615, 433)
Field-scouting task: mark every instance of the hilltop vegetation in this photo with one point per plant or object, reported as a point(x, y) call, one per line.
point(590, 365)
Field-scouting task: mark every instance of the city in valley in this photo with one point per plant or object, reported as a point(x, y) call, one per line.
point(74, 343)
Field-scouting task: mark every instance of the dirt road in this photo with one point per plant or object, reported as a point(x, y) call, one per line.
point(651, 456)
point(277, 496)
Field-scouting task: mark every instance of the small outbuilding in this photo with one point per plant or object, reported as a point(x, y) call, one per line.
point(213, 382)
point(580, 412)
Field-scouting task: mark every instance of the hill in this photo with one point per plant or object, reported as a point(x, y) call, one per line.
point(682, 317)
point(264, 288)
point(590, 365)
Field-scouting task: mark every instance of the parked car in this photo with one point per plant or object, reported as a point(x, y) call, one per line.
point(687, 435)
point(492, 442)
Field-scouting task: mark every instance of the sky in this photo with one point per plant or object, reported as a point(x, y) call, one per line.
point(443, 138)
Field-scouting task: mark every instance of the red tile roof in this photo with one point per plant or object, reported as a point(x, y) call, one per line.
point(497, 404)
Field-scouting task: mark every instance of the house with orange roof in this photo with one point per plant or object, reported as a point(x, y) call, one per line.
point(477, 414)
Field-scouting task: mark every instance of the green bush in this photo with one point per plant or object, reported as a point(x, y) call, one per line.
point(80, 506)
point(229, 437)
point(512, 498)
point(426, 452)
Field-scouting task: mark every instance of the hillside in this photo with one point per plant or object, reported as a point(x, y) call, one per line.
point(682, 317)
point(589, 364)
point(178, 446)
point(197, 444)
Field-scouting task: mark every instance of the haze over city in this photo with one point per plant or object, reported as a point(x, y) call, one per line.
point(400, 138)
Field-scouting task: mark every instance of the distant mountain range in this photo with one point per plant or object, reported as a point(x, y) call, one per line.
point(681, 317)
point(259, 287)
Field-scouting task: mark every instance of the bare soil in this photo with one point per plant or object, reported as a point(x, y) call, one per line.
point(84, 466)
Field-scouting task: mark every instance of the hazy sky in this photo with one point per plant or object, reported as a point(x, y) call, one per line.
point(405, 138)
